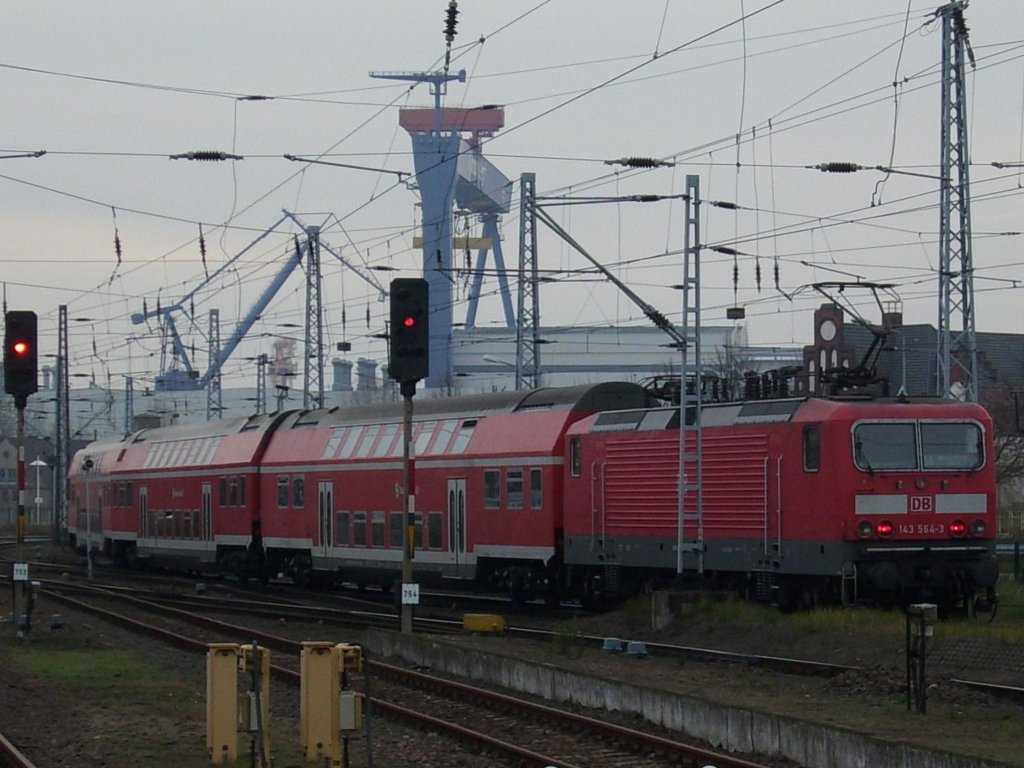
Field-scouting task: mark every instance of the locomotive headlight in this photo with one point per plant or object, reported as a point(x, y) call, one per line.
point(978, 527)
point(884, 528)
point(865, 528)
point(957, 528)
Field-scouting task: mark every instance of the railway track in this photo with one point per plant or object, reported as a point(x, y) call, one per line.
point(545, 736)
point(11, 756)
point(291, 611)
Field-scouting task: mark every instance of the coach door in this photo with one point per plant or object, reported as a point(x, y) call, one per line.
point(325, 503)
point(143, 513)
point(457, 520)
point(207, 520)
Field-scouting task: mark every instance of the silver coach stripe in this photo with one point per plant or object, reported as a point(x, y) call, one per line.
point(882, 504)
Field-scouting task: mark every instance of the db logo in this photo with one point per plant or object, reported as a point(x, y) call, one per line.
point(920, 503)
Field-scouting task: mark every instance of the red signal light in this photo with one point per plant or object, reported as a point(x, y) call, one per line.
point(409, 322)
point(20, 348)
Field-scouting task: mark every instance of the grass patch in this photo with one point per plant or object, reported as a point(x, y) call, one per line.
point(568, 638)
point(109, 674)
point(731, 611)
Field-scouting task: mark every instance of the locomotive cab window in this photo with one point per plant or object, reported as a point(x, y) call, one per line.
point(951, 445)
point(885, 445)
point(299, 492)
point(575, 457)
point(812, 448)
point(282, 491)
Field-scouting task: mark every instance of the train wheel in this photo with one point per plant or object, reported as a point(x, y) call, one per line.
point(986, 606)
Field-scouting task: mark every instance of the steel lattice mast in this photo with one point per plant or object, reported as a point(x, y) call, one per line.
point(528, 328)
point(957, 352)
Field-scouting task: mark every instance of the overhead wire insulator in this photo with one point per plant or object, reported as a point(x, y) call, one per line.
point(206, 155)
point(838, 167)
point(640, 162)
point(451, 20)
point(202, 250)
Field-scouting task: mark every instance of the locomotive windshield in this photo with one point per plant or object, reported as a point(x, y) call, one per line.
point(909, 445)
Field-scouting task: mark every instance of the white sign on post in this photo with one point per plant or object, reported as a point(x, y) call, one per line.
point(20, 572)
point(410, 594)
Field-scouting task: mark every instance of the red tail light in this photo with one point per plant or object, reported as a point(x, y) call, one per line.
point(957, 528)
point(884, 528)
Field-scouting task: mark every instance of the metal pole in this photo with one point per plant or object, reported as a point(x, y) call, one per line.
point(87, 470)
point(39, 499)
point(408, 502)
point(20, 403)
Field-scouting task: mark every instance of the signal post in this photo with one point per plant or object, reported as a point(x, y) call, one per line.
point(20, 379)
point(408, 362)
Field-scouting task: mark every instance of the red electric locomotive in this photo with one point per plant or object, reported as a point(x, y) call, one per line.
point(803, 500)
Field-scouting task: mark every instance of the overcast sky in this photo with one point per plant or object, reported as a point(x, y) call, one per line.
point(743, 93)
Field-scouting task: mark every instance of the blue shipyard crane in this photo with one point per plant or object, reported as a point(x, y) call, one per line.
point(452, 171)
point(177, 371)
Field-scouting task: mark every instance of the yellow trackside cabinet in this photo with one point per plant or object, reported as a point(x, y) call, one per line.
point(222, 702)
point(483, 623)
point(318, 702)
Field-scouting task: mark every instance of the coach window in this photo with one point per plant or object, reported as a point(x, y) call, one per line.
point(536, 489)
point(492, 489)
point(233, 491)
point(341, 529)
point(222, 491)
point(377, 529)
point(812, 448)
point(282, 491)
point(241, 490)
point(514, 488)
point(299, 492)
point(434, 539)
point(396, 530)
point(359, 529)
point(575, 457)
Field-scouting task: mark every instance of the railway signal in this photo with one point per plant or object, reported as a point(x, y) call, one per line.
point(20, 355)
point(409, 357)
point(408, 362)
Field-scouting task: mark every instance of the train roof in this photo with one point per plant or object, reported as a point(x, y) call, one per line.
point(776, 411)
point(584, 397)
